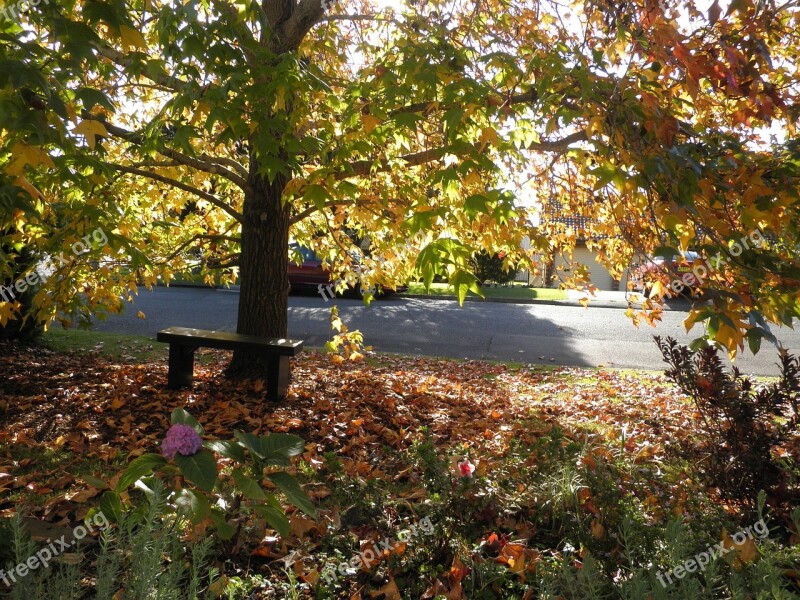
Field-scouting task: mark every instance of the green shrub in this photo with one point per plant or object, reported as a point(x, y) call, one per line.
point(491, 268)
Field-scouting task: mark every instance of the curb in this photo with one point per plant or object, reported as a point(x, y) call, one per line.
point(566, 302)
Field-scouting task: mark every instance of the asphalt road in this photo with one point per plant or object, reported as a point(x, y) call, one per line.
point(526, 333)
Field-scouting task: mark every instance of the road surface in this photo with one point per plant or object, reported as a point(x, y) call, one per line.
point(525, 333)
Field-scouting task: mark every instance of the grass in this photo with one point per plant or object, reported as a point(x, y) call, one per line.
point(516, 291)
point(132, 348)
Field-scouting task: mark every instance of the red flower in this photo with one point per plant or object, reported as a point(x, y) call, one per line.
point(466, 468)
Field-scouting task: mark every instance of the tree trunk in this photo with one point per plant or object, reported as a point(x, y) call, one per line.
point(263, 299)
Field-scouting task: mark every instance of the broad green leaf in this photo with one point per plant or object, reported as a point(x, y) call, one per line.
point(193, 505)
point(275, 517)
point(463, 282)
point(224, 529)
point(289, 486)
point(754, 340)
point(228, 449)
point(477, 203)
point(181, 417)
point(111, 506)
point(249, 441)
point(248, 486)
point(95, 482)
point(199, 468)
point(140, 467)
point(277, 448)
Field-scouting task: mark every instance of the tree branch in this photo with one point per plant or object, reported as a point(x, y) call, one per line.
point(361, 168)
point(359, 17)
point(125, 62)
point(529, 96)
point(207, 164)
point(182, 186)
point(229, 162)
point(200, 236)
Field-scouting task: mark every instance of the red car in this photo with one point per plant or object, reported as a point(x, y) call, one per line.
point(310, 275)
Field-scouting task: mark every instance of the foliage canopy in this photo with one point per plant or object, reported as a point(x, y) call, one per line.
point(197, 132)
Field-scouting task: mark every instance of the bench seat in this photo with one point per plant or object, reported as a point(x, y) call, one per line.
point(183, 341)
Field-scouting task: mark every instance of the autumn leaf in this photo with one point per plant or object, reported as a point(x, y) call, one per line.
point(131, 38)
point(91, 129)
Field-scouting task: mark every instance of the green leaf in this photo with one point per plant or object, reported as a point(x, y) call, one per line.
point(317, 195)
point(193, 505)
point(141, 466)
point(95, 482)
point(464, 282)
point(477, 203)
point(248, 486)
point(200, 469)
point(91, 97)
point(278, 448)
point(228, 449)
point(225, 530)
point(111, 506)
point(289, 486)
point(181, 417)
point(604, 174)
point(275, 517)
point(698, 344)
point(754, 340)
point(249, 441)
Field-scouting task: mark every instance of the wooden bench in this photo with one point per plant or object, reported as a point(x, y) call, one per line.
point(183, 341)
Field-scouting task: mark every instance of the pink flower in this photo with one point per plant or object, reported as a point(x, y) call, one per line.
point(181, 439)
point(466, 468)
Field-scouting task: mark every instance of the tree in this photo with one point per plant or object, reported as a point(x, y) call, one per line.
point(216, 130)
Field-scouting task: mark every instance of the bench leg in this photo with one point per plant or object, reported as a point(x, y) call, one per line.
point(277, 377)
point(181, 366)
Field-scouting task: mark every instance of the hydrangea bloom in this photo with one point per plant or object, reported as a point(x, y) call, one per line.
point(181, 439)
point(466, 468)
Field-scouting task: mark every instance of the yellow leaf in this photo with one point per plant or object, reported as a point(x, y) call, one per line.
point(140, 315)
point(488, 136)
point(28, 155)
point(131, 37)
point(7, 310)
point(595, 125)
point(740, 554)
point(28, 187)
point(370, 122)
point(90, 129)
point(694, 317)
point(473, 178)
point(730, 337)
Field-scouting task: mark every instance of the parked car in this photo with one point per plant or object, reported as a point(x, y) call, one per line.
point(668, 270)
point(310, 274)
